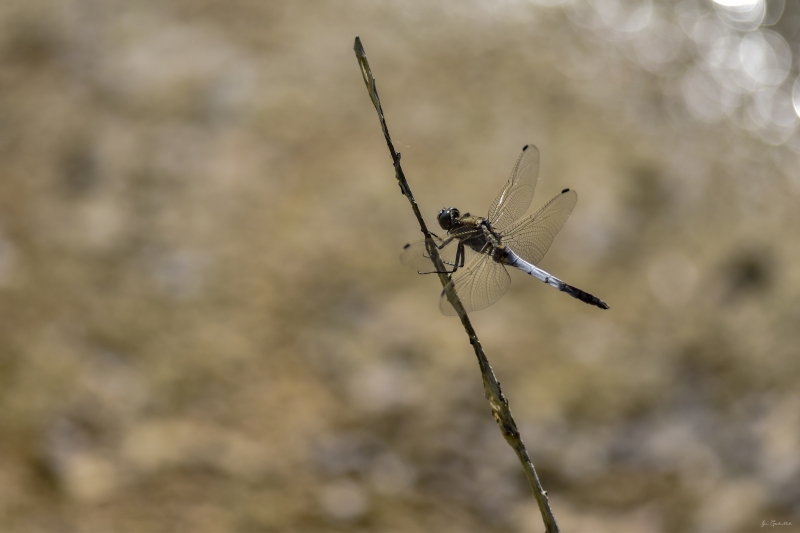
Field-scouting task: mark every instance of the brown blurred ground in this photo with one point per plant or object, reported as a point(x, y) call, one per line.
point(205, 325)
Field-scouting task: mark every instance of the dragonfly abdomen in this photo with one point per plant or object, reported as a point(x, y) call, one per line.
point(584, 296)
point(514, 260)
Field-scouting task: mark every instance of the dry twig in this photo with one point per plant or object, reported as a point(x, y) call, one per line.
point(491, 387)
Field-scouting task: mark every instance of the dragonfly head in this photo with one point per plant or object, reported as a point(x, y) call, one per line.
point(447, 218)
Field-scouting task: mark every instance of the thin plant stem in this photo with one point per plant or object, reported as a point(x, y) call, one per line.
point(498, 402)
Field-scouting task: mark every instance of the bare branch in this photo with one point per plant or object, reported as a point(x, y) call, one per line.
point(491, 387)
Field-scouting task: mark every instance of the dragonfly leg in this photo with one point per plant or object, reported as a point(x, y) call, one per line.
point(440, 247)
point(444, 243)
point(456, 264)
point(448, 263)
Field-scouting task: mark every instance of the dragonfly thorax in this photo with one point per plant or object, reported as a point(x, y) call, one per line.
point(447, 217)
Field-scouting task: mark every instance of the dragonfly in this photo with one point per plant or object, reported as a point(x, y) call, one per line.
point(479, 248)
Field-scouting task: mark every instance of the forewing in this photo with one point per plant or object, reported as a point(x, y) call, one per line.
point(415, 255)
point(515, 197)
point(480, 284)
point(531, 237)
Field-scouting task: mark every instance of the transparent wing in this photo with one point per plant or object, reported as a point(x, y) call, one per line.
point(415, 255)
point(515, 197)
point(480, 284)
point(531, 237)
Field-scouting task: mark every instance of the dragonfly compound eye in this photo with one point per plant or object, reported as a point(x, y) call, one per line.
point(444, 219)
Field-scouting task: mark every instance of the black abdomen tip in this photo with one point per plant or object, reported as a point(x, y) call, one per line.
point(525, 147)
point(407, 245)
point(565, 190)
point(584, 296)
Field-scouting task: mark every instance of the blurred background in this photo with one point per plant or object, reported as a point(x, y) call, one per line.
point(205, 325)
